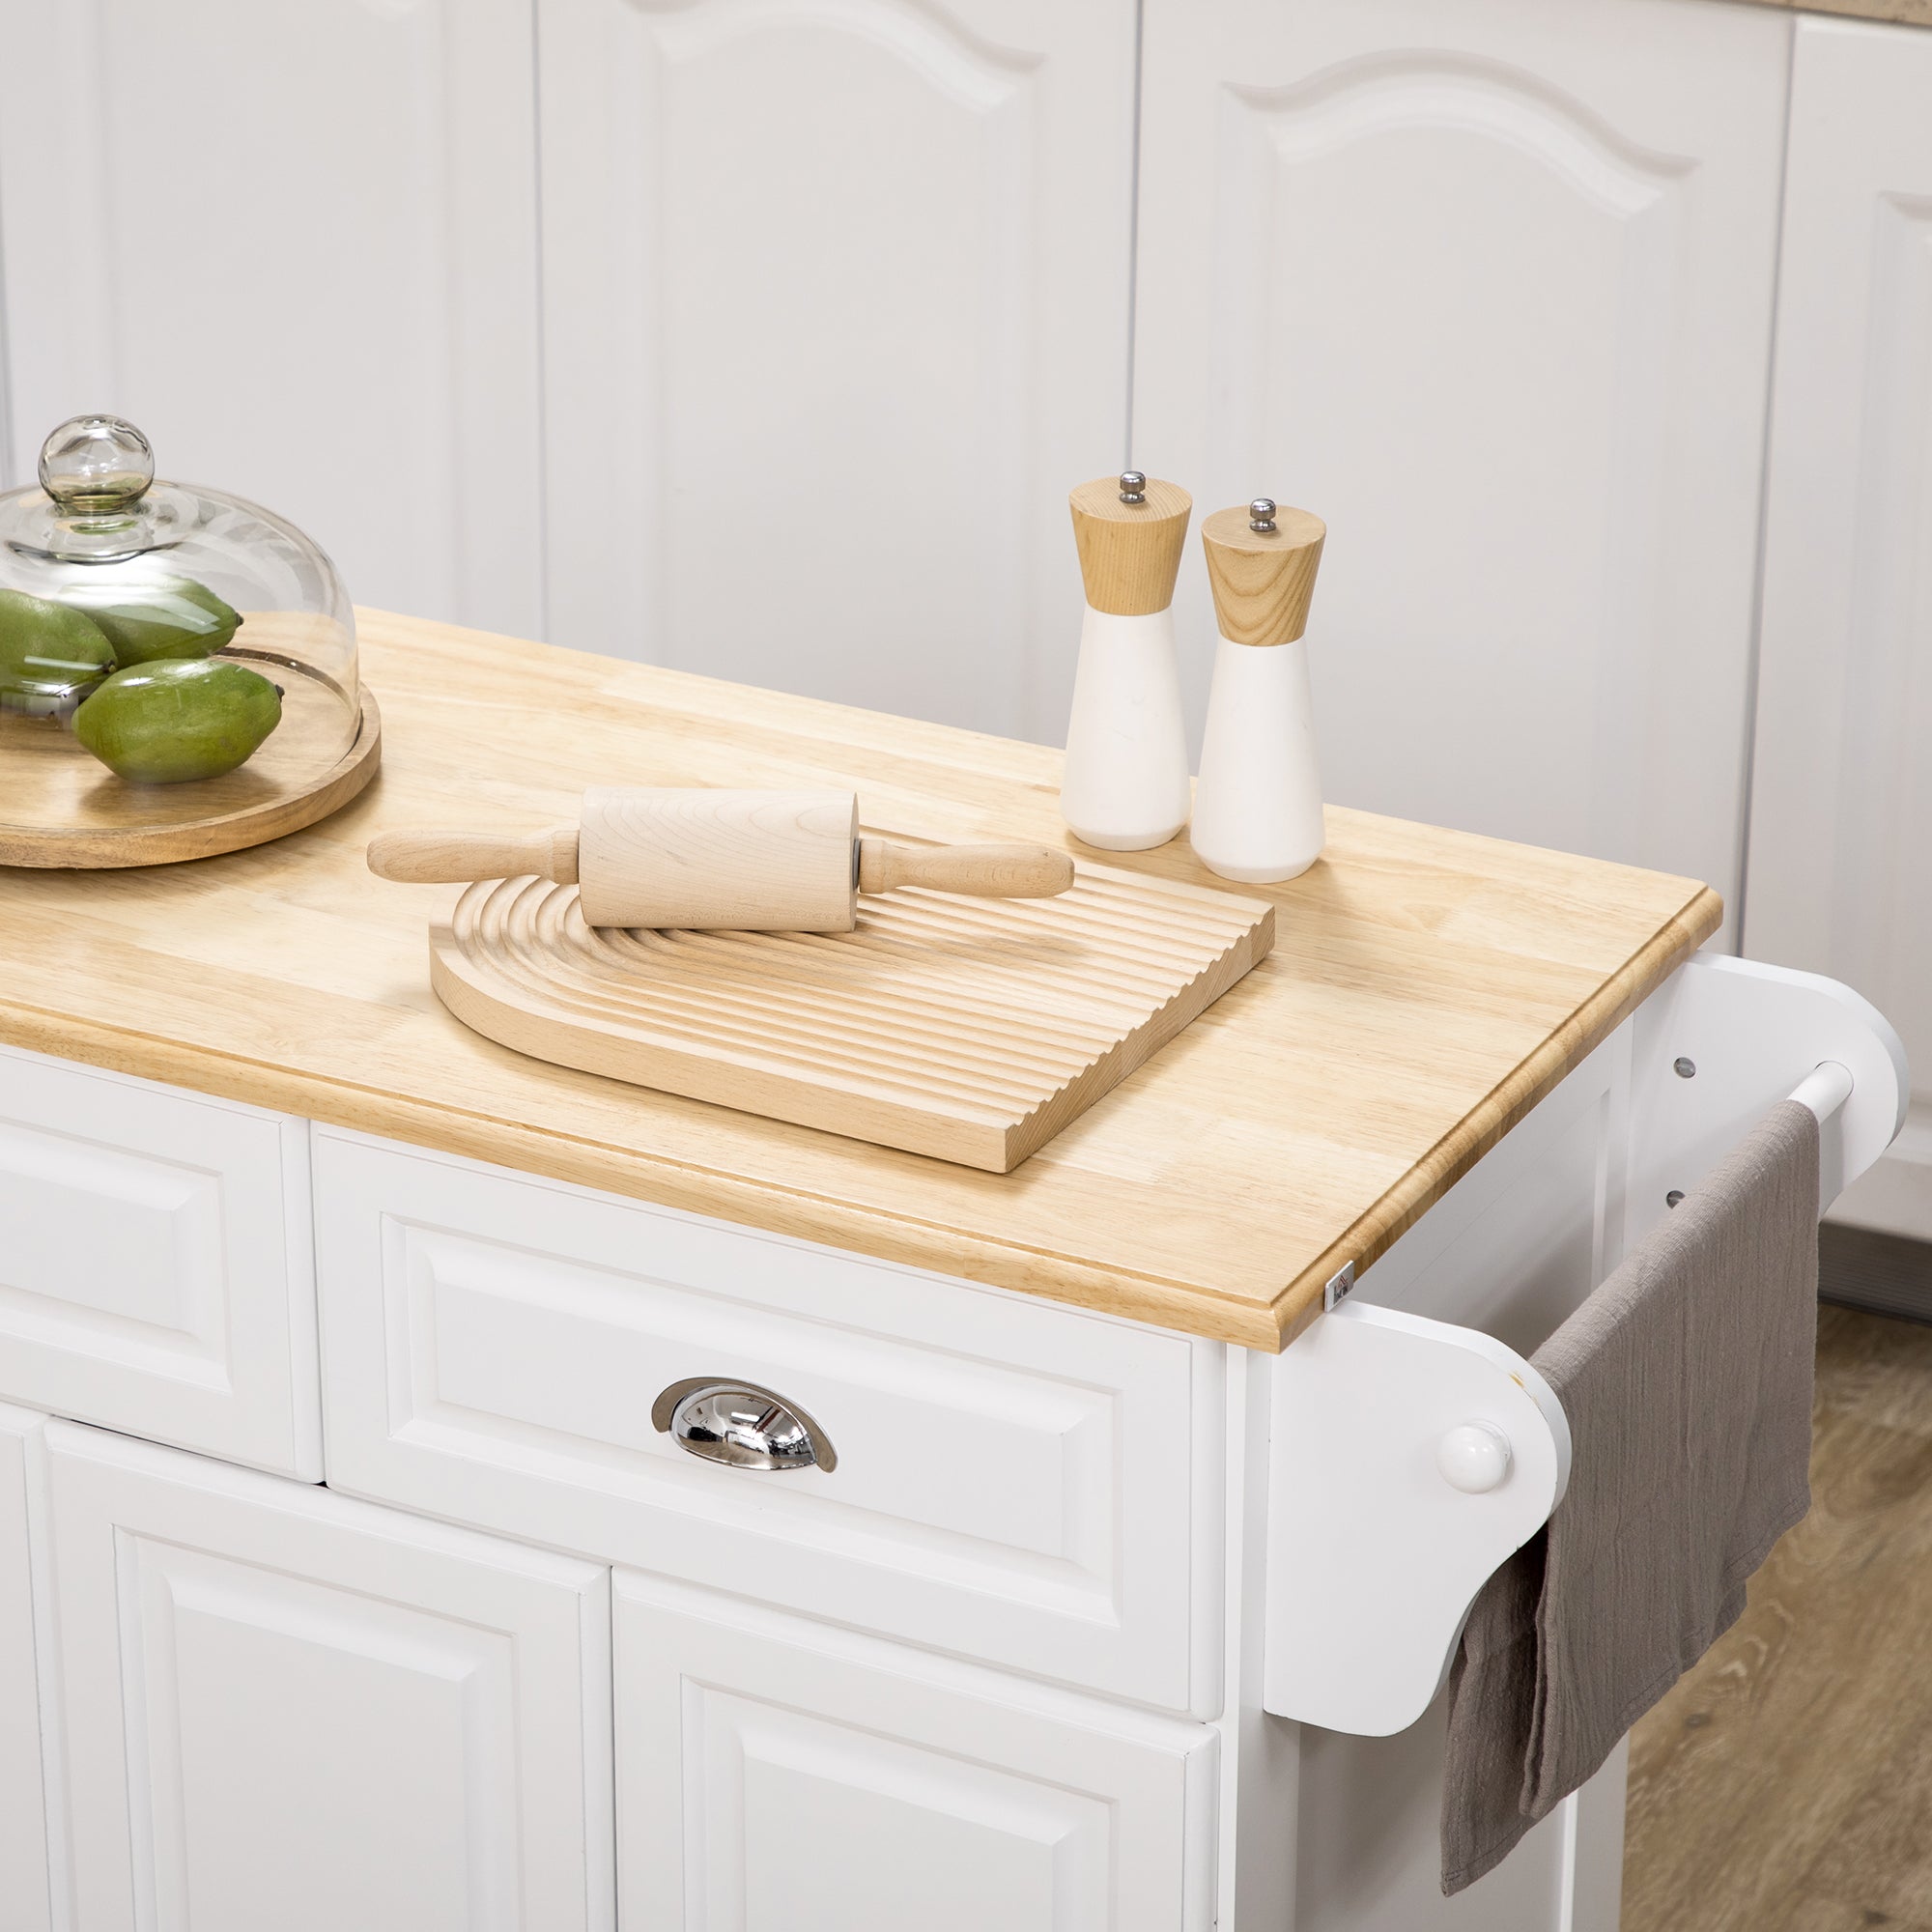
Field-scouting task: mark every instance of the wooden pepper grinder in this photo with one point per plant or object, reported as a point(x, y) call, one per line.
point(1125, 781)
point(1258, 808)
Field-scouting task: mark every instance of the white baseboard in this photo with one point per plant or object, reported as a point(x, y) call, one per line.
point(1894, 1197)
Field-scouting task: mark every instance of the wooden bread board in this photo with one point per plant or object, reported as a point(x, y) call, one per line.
point(973, 1029)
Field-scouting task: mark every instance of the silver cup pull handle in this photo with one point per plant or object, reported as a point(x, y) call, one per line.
point(742, 1425)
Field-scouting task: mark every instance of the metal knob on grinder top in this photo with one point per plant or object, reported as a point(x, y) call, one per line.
point(721, 860)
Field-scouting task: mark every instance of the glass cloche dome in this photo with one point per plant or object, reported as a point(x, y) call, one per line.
point(172, 659)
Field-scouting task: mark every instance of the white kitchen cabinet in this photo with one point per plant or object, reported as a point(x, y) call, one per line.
point(835, 311)
point(1488, 284)
point(26, 1902)
point(1841, 798)
point(156, 1272)
point(298, 244)
point(285, 1708)
point(1048, 1645)
point(772, 1773)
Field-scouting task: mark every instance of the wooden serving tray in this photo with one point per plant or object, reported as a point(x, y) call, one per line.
point(969, 1028)
point(60, 806)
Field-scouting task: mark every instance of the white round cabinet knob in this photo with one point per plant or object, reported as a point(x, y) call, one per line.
point(1474, 1457)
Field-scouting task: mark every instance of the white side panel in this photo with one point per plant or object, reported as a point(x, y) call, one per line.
point(25, 1903)
point(836, 313)
point(1488, 284)
point(156, 1274)
point(1371, 1857)
point(1841, 811)
point(775, 1775)
point(298, 245)
point(1014, 1482)
point(287, 1709)
point(1377, 1543)
point(1721, 1041)
point(1261, 1753)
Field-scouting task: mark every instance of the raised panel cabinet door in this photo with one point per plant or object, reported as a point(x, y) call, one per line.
point(25, 1899)
point(1487, 284)
point(1841, 798)
point(298, 244)
point(283, 1708)
point(772, 1773)
point(836, 313)
point(156, 1273)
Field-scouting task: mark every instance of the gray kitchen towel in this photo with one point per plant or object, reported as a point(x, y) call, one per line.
point(1687, 1380)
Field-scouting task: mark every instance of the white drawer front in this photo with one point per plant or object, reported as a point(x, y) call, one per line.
point(774, 1773)
point(1013, 1480)
point(155, 1263)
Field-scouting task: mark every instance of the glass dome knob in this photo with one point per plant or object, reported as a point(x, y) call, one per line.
point(94, 464)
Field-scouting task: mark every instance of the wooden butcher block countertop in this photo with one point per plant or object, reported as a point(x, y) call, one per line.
point(1425, 988)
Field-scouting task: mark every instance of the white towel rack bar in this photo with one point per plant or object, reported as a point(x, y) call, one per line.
point(1825, 1088)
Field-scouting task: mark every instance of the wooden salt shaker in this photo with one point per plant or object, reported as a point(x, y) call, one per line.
point(1258, 808)
point(1125, 781)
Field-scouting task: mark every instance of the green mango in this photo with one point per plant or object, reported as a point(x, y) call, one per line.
point(158, 616)
point(178, 719)
point(48, 654)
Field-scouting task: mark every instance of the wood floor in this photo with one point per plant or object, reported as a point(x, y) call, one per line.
point(1785, 1785)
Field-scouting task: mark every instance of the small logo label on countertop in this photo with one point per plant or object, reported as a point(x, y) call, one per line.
point(1337, 1289)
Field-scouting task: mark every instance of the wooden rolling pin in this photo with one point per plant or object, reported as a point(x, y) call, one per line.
point(721, 860)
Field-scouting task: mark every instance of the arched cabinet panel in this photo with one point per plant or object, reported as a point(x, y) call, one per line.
point(298, 244)
point(1489, 287)
point(836, 311)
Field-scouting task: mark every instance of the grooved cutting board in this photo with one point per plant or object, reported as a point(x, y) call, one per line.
point(969, 1028)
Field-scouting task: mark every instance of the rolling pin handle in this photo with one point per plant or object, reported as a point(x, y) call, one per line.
point(983, 871)
point(449, 858)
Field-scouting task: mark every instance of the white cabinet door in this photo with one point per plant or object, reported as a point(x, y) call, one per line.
point(1488, 284)
point(288, 1709)
point(25, 1903)
point(836, 313)
point(1841, 802)
point(772, 1773)
point(297, 244)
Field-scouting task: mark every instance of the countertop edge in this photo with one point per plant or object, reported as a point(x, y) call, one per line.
point(1531, 1081)
point(1187, 1308)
